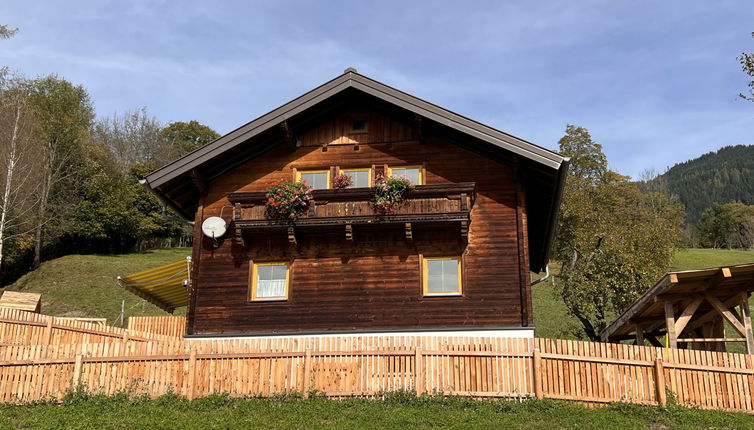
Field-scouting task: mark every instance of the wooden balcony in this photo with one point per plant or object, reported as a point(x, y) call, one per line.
point(353, 207)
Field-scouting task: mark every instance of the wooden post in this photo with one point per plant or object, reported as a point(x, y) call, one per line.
point(537, 373)
point(660, 381)
point(125, 337)
point(418, 373)
point(746, 317)
point(639, 335)
point(191, 375)
point(122, 311)
point(76, 380)
point(307, 373)
point(670, 323)
point(48, 332)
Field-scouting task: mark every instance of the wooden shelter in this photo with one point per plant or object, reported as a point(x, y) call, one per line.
point(690, 308)
point(31, 302)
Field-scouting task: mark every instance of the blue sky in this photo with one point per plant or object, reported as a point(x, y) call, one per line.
point(656, 83)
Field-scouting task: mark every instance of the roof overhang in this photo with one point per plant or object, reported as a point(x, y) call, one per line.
point(164, 286)
point(543, 170)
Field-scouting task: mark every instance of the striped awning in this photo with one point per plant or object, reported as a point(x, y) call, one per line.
point(166, 286)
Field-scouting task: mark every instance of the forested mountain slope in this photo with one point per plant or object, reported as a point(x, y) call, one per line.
point(717, 177)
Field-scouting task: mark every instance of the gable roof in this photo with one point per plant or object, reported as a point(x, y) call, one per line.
point(543, 170)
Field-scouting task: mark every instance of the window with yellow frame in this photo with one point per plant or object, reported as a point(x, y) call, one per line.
point(441, 276)
point(317, 179)
point(412, 173)
point(269, 281)
point(360, 178)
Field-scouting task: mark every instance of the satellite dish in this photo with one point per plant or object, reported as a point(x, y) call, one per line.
point(213, 227)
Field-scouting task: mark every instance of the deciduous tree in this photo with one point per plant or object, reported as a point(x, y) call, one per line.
point(64, 114)
point(613, 240)
point(19, 160)
point(747, 65)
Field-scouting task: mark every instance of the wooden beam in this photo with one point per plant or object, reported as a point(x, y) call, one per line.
point(712, 339)
point(687, 313)
point(290, 137)
point(670, 324)
point(237, 215)
point(420, 129)
point(660, 287)
point(653, 341)
point(711, 283)
point(711, 315)
point(639, 335)
point(292, 236)
point(199, 181)
point(723, 310)
point(746, 319)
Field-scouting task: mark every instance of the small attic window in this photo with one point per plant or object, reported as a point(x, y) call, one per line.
point(358, 125)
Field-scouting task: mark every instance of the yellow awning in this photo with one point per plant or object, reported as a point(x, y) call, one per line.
point(166, 286)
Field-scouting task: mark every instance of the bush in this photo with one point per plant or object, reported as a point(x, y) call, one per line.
point(288, 199)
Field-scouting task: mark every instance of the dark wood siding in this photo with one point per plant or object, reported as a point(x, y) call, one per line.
point(374, 282)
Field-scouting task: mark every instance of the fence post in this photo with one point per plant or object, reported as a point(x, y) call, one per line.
point(125, 336)
point(48, 332)
point(191, 374)
point(76, 380)
point(537, 371)
point(307, 373)
point(418, 372)
point(660, 381)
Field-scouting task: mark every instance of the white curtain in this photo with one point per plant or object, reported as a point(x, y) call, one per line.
point(271, 288)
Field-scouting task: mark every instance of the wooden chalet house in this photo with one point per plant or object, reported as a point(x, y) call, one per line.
point(454, 257)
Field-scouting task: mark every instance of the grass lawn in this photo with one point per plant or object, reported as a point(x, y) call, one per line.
point(85, 286)
point(398, 410)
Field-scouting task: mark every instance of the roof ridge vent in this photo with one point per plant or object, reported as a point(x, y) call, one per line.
point(350, 70)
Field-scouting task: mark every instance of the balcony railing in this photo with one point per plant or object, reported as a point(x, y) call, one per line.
point(424, 204)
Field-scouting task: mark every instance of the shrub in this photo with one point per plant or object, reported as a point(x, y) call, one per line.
point(288, 199)
point(389, 192)
point(342, 181)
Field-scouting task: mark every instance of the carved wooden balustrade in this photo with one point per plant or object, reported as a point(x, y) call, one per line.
point(346, 208)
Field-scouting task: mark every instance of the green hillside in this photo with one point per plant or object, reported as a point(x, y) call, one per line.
point(85, 286)
point(717, 177)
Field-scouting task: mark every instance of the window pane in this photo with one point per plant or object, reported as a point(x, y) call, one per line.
point(360, 178)
point(278, 272)
point(434, 284)
point(410, 174)
point(271, 280)
point(264, 273)
point(318, 181)
point(450, 276)
point(442, 276)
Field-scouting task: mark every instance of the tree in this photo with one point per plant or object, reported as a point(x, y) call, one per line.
point(729, 225)
point(7, 32)
point(747, 65)
point(613, 240)
point(132, 138)
point(19, 156)
point(64, 114)
point(185, 137)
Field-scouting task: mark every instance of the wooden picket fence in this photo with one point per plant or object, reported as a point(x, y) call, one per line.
point(346, 366)
point(173, 326)
point(18, 327)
